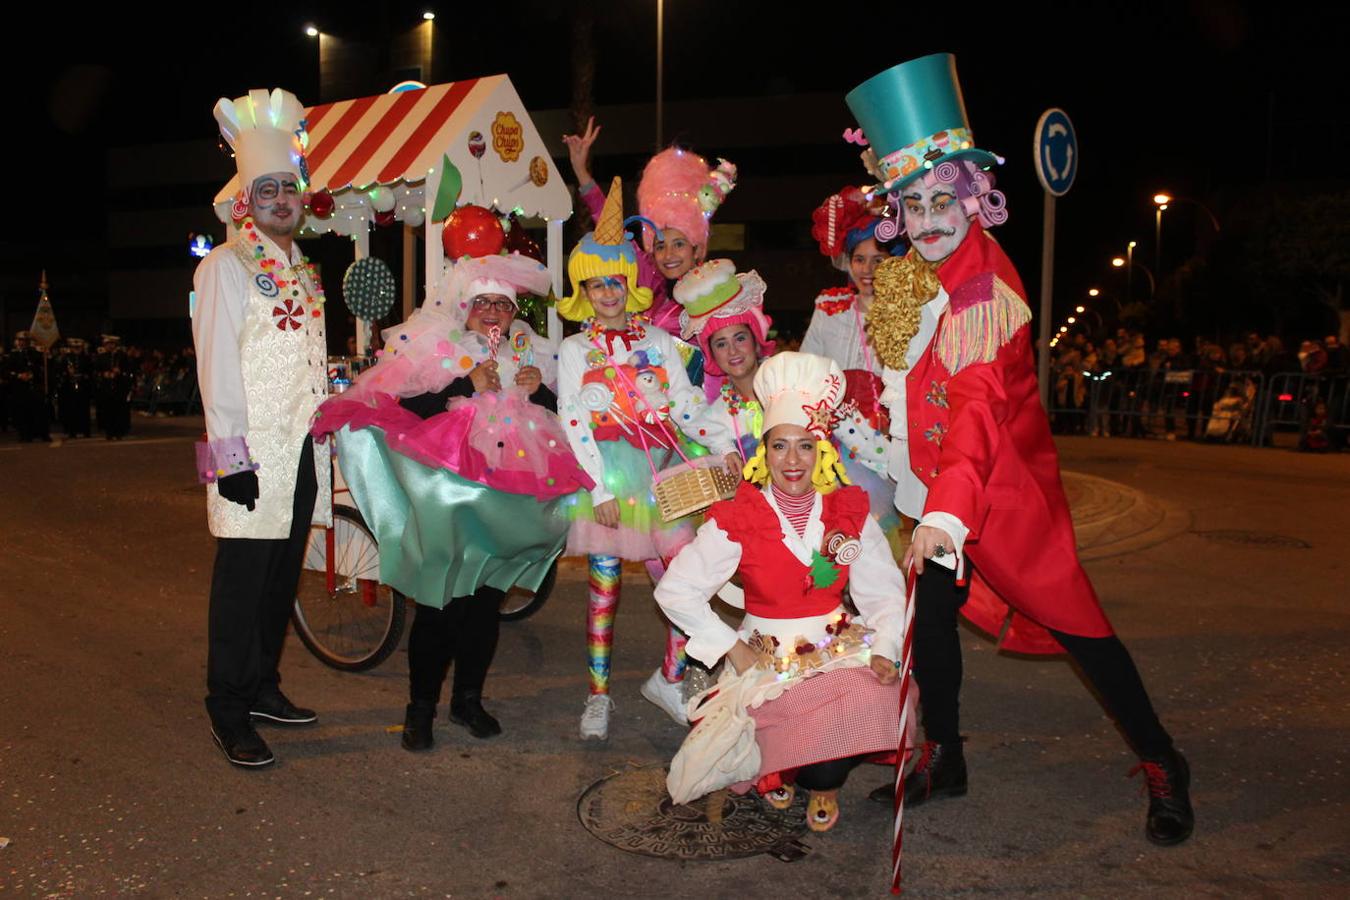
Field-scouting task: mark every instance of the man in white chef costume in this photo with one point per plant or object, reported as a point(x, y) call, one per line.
point(261, 360)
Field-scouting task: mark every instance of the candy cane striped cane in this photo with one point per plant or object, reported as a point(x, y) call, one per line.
point(903, 749)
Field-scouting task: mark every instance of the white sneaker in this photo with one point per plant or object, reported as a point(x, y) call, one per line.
point(595, 720)
point(670, 697)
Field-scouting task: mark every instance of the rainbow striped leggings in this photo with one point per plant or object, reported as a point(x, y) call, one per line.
point(604, 582)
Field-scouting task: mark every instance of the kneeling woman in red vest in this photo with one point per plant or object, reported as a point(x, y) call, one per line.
point(809, 690)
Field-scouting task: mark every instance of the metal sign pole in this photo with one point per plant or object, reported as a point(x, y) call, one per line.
point(1047, 292)
point(1056, 153)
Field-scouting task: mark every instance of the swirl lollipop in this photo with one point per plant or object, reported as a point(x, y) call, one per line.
point(848, 552)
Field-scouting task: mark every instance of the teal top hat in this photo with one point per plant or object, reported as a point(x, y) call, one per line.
point(914, 117)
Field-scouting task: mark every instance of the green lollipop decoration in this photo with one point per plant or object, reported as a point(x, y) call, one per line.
point(369, 289)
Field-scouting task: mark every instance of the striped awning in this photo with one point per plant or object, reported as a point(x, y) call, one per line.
point(399, 140)
point(387, 138)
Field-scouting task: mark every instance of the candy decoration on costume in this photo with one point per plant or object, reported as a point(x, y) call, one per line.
point(369, 289)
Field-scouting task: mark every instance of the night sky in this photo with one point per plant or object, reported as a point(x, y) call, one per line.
point(1208, 100)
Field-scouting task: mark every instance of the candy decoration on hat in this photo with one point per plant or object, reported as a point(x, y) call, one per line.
point(914, 117)
point(801, 389)
point(605, 252)
point(844, 220)
point(679, 191)
point(714, 297)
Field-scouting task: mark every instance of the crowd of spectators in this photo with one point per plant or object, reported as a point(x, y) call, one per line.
point(79, 383)
point(1213, 390)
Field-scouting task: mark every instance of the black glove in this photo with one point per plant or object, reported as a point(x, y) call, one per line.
point(241, 488)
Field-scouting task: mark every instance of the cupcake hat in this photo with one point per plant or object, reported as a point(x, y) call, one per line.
point(714, 296)
point(606, 251)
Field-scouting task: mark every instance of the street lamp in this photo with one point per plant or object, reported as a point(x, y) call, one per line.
point(1093, 292)
point(311, 31)
point(1161, 201)
point(428, 15)
point(1121, 262)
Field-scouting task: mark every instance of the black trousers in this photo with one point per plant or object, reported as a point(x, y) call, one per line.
point(465, 632)
point(1104, 663)
point(252, 592)
point(826, 776)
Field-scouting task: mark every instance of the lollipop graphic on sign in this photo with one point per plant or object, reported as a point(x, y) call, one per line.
point(477, 147)
point(538, 174)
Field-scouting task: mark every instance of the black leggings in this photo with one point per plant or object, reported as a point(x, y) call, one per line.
point(826, 776)
point(1104, 662)
point(465, 632)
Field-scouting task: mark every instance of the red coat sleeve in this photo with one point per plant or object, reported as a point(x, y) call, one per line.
point(974, 438)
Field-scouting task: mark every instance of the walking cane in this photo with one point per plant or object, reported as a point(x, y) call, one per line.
point(902, 749)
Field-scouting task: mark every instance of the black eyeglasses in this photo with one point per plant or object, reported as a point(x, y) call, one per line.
point(482, 304)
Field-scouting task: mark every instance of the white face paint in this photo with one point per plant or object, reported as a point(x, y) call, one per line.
point(934, 220)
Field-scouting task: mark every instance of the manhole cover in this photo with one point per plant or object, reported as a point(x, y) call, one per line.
point(1255, 539)
point(631, 811)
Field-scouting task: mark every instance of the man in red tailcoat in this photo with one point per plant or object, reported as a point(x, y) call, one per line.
point(972, 454)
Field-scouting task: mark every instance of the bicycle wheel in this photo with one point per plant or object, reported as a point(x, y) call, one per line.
point(519, 604)
point(342, 613)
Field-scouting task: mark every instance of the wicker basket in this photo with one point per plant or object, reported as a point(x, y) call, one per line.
point(693, 486)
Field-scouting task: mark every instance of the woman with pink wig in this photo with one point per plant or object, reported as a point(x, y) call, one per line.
point(677, 197)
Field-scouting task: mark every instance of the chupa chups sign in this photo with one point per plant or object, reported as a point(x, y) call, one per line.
point(508, 137)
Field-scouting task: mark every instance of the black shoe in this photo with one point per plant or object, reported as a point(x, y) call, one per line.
point(467, 709)
point(417, 726)
point(243, 746)
point(1170, 816)
point(940, 772)
point(277, 710)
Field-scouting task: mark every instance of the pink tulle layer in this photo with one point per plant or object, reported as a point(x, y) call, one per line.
point(499, 439)
point(586, 538)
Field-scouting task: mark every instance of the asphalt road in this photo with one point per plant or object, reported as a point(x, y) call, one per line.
point(1229, 585)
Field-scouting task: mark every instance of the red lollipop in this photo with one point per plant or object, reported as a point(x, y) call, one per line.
point(321, 204)
point(472, 231)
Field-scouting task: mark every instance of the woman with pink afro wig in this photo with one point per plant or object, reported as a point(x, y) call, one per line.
point(677, 197)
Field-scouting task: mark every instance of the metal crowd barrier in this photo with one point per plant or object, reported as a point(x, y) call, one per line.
point(1190, 404)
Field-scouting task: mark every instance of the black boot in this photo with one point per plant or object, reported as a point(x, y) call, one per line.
point(1170, 816)
point(417, 726)
point(466, 708)
point(940, 772)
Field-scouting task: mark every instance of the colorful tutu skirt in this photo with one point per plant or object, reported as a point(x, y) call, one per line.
point(881, 496)
point(443, 535)
point(641, 534)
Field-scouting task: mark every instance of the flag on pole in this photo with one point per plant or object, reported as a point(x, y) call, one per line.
point(43, 332)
